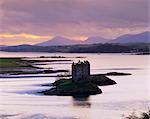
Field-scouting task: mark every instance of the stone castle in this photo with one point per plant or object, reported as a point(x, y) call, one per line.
point(81, 71)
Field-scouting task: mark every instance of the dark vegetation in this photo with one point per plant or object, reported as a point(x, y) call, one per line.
point(91, 48)
point(144, 115)
point(68, 87)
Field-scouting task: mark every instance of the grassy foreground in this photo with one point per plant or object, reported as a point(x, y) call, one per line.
point(13, 65)
point(10, 62)
point(17, 66)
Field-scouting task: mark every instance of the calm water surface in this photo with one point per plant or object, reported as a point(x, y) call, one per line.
point(18, 99)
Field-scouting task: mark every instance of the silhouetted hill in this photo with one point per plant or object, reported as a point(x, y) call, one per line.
point(58, 41)
point(95, 40)
point(136, 38)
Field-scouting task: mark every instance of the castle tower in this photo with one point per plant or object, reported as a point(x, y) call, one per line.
point(81, 71)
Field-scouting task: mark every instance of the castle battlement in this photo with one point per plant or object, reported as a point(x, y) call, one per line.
point(81, 71)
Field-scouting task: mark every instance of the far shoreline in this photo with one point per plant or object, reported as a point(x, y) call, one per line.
point(61, 53)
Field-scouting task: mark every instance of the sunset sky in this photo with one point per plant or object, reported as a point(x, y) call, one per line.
point(34, 21)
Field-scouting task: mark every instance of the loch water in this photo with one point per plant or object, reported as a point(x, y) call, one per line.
point(19, 100)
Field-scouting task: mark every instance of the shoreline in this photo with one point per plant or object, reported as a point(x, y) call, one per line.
point(21, 66)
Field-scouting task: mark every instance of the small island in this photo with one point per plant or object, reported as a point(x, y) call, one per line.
point(81, 83)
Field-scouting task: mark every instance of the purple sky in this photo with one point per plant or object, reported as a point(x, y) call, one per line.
point(33, 21)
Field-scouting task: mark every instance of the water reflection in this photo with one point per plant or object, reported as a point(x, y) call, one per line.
point(81, 101)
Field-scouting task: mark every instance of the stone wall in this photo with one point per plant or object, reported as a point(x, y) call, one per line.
point(81, 71)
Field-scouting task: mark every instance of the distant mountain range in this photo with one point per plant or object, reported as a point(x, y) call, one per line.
point(134, 38)
point(58, 40)
point(95, 40)
point(123, 44)
point(61, 41)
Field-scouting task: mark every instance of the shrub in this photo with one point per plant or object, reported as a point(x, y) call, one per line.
point(144, 115)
